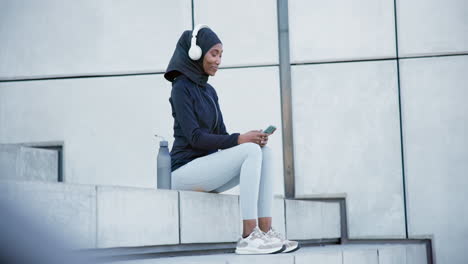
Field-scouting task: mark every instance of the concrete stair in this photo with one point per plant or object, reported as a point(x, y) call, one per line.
point(111, 216)
point(115, 223)
point(331, 254)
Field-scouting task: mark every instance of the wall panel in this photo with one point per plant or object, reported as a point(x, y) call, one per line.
point(435, 125)
point(50, 38)
point(248, 29)
point(347, 140)
point(427, 27)
point(341, 30)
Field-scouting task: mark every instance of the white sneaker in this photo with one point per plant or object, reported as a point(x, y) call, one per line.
point(277, 237)
point(258, 243)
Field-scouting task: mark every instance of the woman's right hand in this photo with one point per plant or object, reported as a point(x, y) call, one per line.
point(254, 136)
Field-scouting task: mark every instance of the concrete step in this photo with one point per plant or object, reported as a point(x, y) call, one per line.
point(115, 217)
point(21, 163)
point(312, 220)
point(332, 254)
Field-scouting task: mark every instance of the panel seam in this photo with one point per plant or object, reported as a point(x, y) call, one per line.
point(400, 119)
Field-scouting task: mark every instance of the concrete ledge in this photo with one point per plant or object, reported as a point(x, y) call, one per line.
point(209, 217)
point(112, 217)
point(332, 254)
point(178, 260)
point(69, 210)
point(416, 254)
point(22, 163)
point(367, 256)
point(335, 257)
point(136, 217)
point(331, 224)
point(278, 221)
point(262, 259)
point(392, 255)
point(312, 219)
point(321, 196)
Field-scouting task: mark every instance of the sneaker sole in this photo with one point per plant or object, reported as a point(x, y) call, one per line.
point(280, 251)
point(292, 250)
point(259, 251)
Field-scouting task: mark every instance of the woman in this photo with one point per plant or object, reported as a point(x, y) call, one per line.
point(200, 132)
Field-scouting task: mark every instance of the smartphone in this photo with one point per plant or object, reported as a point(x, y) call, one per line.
point(269, 130)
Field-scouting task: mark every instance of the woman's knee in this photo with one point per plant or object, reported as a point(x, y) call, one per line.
point(266, 150)
point(267, 154)
point(251, 148)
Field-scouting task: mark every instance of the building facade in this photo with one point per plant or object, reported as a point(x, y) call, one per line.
point(378, 96)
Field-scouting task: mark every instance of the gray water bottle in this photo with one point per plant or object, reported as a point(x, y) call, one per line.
point(164, 166)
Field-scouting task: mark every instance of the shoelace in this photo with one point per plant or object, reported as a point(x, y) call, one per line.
point(259, 234)
point(276, 234)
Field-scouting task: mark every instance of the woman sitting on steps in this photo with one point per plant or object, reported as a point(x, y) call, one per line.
point(199, 133)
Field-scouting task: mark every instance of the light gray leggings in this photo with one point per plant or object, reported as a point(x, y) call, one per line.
point(246, 163)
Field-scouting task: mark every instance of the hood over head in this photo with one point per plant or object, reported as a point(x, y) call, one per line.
point(181, 63)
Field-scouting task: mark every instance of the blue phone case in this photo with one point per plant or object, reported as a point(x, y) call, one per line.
point(269, 130)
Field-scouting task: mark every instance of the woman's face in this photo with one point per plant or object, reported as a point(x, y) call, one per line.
point(212, 59)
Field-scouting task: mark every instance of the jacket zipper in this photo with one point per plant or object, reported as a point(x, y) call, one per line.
point(216, 109)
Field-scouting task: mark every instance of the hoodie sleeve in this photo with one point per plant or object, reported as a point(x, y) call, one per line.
point(197, 136)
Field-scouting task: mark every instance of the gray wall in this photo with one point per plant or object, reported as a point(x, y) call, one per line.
point(107, 124)
point(435, 115)
point(341, 30)
point(62, 38)
point(346, 115)
point(350, 63)
point(347, 140)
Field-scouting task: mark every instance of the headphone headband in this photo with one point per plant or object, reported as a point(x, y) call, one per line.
point(198, 28)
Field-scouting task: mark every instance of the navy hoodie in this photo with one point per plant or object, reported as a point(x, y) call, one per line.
point(199, 128)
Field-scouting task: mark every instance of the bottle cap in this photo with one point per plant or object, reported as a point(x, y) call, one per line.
point(163, 143)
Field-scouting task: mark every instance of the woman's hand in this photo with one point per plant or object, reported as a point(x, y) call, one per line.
point(265, 139)
point(254, 136)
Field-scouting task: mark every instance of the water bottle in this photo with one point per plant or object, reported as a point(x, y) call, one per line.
point(164, 166)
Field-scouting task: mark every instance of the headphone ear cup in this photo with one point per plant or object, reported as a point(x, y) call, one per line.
point(195, 52)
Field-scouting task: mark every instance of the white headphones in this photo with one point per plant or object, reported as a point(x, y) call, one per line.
point(195, 51)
